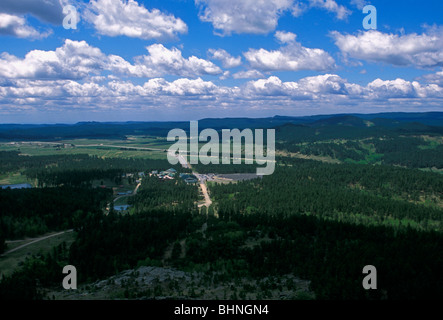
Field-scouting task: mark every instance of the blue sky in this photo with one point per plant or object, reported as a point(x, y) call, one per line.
point(192, 59)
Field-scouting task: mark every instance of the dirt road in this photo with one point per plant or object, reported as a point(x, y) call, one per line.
point(119, 147)
point(208, 200)
point(34, 241)
point(203, 186)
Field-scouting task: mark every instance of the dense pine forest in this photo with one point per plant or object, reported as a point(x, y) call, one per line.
point(32, 212)
point(362, 194)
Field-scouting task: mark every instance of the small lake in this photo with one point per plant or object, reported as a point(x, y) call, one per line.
point(17, 186)
point(122, 208)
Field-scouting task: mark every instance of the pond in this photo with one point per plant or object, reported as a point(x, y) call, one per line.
point(122, 207)
point(17, 186)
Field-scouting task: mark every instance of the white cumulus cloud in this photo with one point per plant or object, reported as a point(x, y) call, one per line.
point(400, 88)
point(242, 16)
point(74, 60)
point(248, 74)
point(420, 50)
point(285, 37)
point(197, 95)
point(129, 18)
point(163, 61)
point(45, 10)
point(330, 87)
point(17, 26)
point(436, 78)
point(292, 57)
point(226, 59)
point(306, 88)
point(79, 60)
point(360, 4)
point(340, 11)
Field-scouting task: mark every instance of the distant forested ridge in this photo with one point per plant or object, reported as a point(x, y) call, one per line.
point(409, 145)
point(119, 130)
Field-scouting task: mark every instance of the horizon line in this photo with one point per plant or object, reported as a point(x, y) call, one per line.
point(216, 118)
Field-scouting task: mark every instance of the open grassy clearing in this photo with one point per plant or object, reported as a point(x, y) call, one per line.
point(92, 148)
point(304, 156)
point(122, 201)
point(15, 178)
point(440, 171)
point(10, 261)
